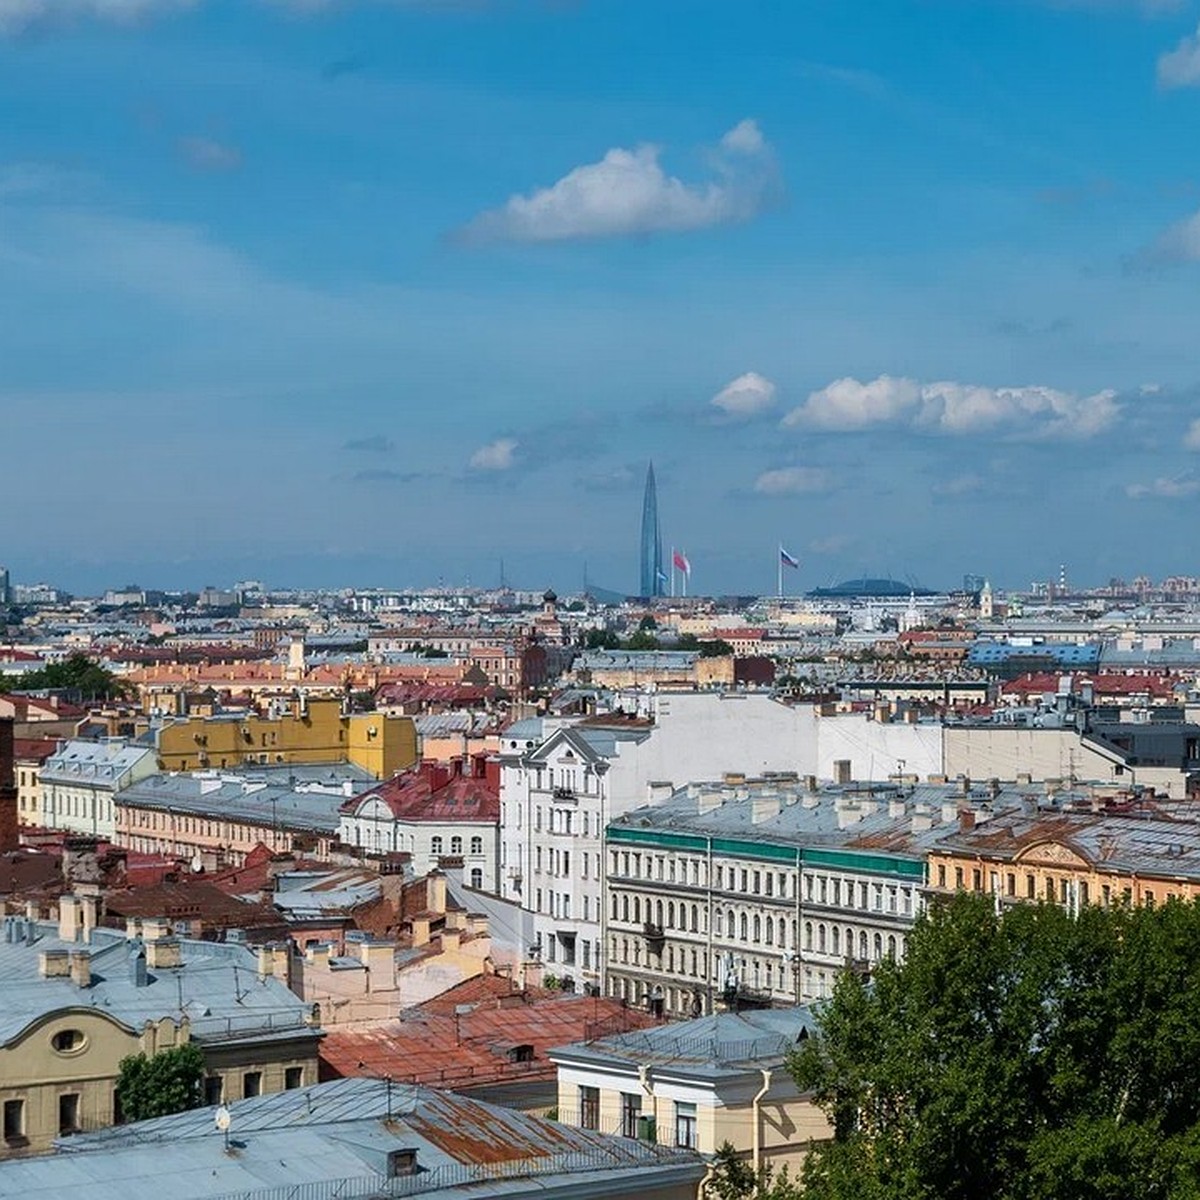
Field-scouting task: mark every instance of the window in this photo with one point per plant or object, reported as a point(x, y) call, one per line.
point(589, 1108)
point(68, 1041)
point(1010, 884)
point(435, 845)
point(958, 878)
point(685, 1125)
point(1030, 887)
point(14, 1120)
point(251, 1084)
point(456, 845)
point(477, 845)
point(214, 1090)
point(631, 1109)
point(293, 1077)
point(477, 878)
point(68, 1113)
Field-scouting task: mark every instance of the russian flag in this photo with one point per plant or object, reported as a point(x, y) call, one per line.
point(681, 563)
point(788, 560)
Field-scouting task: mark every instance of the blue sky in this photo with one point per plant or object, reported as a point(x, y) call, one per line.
point(381, 292)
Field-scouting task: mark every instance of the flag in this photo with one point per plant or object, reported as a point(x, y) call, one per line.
point(662, 576)
point(787, 560)
point(681, 563)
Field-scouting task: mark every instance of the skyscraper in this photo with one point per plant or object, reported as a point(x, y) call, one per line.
point(651, 555)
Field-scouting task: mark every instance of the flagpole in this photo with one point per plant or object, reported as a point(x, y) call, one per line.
point(779, 569)
point(684, 574)
point(672, 572)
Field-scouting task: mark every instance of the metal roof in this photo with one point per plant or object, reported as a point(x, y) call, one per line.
point(217, 986)
point(337, 1137)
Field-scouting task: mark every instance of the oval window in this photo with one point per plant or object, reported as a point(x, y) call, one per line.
point(66, 1041)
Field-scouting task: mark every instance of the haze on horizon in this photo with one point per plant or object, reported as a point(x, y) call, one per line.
point(378, 292)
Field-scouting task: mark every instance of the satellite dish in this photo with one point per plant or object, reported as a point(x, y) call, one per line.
point(222, 1119)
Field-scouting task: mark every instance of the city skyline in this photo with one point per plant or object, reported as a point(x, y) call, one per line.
point(369, 292)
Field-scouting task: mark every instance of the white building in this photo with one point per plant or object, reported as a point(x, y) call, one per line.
point(563, 780)
point(434, 813)
point(79, 781)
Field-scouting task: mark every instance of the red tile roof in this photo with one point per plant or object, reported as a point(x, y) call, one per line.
point(430, 1044)
point(460, 790)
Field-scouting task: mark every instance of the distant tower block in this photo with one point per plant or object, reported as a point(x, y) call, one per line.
point(651, 581)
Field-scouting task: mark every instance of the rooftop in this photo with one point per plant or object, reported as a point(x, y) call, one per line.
point(340, 1137)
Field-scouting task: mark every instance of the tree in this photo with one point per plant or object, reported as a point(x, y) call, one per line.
point(733, 1179)
point(159, 1085)
point(715, 648)
point(1024, 1056)
point(642, 640)
point(79, 675)
point(601, 639)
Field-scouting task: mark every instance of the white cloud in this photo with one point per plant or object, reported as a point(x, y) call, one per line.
point(627, 192)
point(495, 456)
point(1181, 67)
point(788, 481)
point(207, 154)
point(1191, 439)
point(1182, 487)
point(747, 396)
point(19, 15)
point(1179, 243)
point(953, 408)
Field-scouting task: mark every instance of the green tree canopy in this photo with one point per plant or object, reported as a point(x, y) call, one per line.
point(79, 675)
point(715, 648)
point(1027, 1056)
point(161, 1084)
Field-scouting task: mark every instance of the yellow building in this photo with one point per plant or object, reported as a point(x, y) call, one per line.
point(1117, 854)
point(309, 731)
point(76, 999)
point(696, 1085)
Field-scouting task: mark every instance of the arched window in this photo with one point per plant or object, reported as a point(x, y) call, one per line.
point(744, 925)
point(477, 845)
point(435, 845)
point(477, 878)
point(719, 923)
point(695, 919)
point(637, 910)
point(891, 945)
point(878, 946)
point(862, 946)
point(671, 915)
point(808, 935)
point(757, 928)
point(658, 913)
point(835, 935)
point(624, 908)
point(456, 845)
point(770, 931)
point(821, 939)
point(730, 927)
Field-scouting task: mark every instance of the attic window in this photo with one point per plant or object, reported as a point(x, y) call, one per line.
point(522, 1053)
point(401, 1162)
point(68, 1041)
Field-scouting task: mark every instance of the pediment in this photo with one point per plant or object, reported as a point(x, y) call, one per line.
point(1053, 854)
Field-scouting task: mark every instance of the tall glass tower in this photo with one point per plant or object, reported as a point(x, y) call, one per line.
point(651, 555)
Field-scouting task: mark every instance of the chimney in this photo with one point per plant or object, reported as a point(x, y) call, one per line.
point(154, 928)
point(10, 832)
point(451, 940)
point(706, 802)
point(317, 953)
point(137, 968)
point(70, 918)
point(896, 808)
point(949, 812)
point(842, 771)
point(764, 807)
point(163, 954)
point(81, 968)
point(435, 892)
point(966, 819)
point(54, 964)
point(420, 932)
point(89, 904)
point(964, 785)
point(810, 783)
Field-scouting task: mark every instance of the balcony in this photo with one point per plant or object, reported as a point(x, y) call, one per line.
point(566, 795)
point(654, 935)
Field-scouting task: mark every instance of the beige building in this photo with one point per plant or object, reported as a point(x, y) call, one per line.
point(697, 1084)
point(76, 999)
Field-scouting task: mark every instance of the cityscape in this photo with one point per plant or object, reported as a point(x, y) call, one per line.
point(599, 600)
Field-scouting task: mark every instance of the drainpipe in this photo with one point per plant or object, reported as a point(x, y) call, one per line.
point(702, 1188)
point(756, 1158)
point(648, 1088)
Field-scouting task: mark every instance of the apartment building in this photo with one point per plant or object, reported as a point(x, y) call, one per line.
point(564, 779)
point(79, 783)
